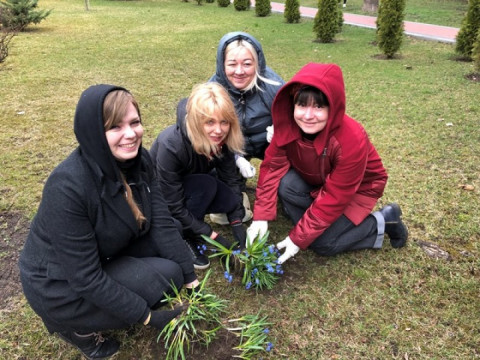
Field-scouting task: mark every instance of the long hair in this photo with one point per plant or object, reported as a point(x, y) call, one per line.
point(206, 101)
point(235, 47)
point(114, 110)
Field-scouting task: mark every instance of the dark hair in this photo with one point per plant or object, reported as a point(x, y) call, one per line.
point(308, 95)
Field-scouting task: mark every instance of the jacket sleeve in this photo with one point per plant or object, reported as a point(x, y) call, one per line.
point(170, 161)
point(68, 227)
point(167, 236)
point(335, 195)
point(272, 169)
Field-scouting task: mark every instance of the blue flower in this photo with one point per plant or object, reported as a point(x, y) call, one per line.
point(270, 268)
point(264, 254)
point(271, 249)
point(204, 247)
point(269, 346)
point(257, 281)
point(266, 331)
point(248, 286)
point(200, 249)
point(254, 271)
point(236, 252)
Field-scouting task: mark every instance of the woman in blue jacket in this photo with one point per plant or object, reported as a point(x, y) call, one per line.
point(103, 248)
point(241, 68)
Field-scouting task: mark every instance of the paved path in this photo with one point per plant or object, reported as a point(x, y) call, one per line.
point(424, 31)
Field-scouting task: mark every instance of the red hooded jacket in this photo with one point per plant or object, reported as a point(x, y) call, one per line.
point(341, 160)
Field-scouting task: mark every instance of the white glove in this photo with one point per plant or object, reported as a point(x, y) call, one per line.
point(290, 249)
point(269, 133)
point(256, 228)
point(246, 169)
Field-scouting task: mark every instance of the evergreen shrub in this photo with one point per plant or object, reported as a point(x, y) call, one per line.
point(326, 21)
point(223, 3)
point(292, 11)
point(241, 5)
point(18, 14)
point(390, 26)
point(263, 8)
point(467, 35)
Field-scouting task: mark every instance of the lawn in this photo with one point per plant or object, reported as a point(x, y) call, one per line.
point(420, 111)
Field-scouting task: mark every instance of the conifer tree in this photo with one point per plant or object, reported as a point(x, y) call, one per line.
point(18, 14)
point(476, 53)
point(390, 26)
point(469, 29)
point(326, 21)
point(292, 11)
point(263, 8)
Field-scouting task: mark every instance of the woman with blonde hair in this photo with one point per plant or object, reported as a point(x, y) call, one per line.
point(205, 139)
point(241, 68)
point(103, 249)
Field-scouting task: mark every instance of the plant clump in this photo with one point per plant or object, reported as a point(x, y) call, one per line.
point(202, 320)
point(257, 263)
point(390, 26)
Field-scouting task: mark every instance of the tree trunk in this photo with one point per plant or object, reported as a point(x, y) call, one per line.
point(87, 5)
point(370, 6)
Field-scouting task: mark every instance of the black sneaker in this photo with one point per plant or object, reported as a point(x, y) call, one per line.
point(200, 260)
point(93, 345)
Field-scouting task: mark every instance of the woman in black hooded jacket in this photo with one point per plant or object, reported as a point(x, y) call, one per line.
point(103, 247)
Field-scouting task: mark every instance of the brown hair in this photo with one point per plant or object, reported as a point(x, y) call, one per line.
point(114, 110)
point(205, 101)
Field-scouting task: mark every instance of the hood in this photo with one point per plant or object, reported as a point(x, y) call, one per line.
point(220, 76)
point(326, 77)
point(90, 132)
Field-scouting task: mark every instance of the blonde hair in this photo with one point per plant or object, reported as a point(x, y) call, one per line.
point(114, 110)
point(235, 47)
point(206, 101)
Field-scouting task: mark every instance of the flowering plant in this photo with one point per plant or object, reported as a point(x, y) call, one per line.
point(253, 332)
point(199, 323)
point(259, 262)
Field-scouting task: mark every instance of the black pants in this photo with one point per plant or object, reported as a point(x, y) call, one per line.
point(342, 235)
point(206, 194)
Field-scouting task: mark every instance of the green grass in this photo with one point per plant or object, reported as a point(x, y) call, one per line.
point(438, 12)
point(369, 304)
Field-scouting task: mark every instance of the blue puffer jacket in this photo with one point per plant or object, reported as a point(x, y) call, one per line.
point(253, 107)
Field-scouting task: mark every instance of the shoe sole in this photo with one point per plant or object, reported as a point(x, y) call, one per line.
point(201, 267)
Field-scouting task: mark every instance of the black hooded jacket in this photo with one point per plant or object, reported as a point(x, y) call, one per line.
point(175, 158)
point(84, 221)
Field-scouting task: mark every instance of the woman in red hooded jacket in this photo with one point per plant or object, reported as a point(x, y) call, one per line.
point(325, 170)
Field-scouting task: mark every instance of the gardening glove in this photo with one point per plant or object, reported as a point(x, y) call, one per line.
point(290, 249)
point(239, 233)
point(159, 319)
point(269, 133)
point(257, 228)
point(246, 169)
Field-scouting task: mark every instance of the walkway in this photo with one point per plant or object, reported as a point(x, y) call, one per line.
point(424, 31)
